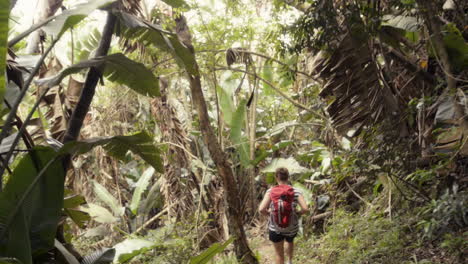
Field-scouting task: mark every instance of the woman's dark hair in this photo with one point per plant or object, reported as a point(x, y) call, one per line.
point(282, 174)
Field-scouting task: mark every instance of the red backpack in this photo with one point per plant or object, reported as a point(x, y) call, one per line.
point(282, 197)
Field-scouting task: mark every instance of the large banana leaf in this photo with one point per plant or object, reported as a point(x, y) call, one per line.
point(4, 14)
point(117, 68)
point(239, 140)
point(139, 143)
point(73, 16)
point(28, 227)
point(132, 27)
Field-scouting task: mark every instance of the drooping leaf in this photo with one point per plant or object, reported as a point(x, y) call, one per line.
point(209, 253)
point(240, 141)
point(147, 33)
point(103, 194)
point(80, 218)
point(4, 15)
point(99, 214)
point(73, 16)
point(117, 68)
point(140, 144)
point(29, 209)
point(130, 248)
point(141, 186)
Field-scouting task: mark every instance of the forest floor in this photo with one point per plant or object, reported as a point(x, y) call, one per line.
point(265, 251)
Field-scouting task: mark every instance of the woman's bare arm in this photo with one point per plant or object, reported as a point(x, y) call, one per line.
point(303, 205)
point(263, 208)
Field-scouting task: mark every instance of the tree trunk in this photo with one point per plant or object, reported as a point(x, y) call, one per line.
point(429, 11)
point(46, 9)
point(235, 223)
point(89, 88)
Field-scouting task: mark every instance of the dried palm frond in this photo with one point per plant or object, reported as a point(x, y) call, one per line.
point(177, 183)
point(351, 77)
point(238, 55)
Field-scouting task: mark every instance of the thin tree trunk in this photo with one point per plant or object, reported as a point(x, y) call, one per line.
point(235, 223)
point(429, 11)
point(92, 78)
point(46, 9)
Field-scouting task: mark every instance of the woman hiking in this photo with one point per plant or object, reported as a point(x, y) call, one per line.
point(280, 204)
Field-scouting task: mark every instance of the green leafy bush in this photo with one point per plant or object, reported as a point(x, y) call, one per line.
point(353, 238)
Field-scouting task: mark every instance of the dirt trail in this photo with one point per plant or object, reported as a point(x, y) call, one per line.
point(266, 252)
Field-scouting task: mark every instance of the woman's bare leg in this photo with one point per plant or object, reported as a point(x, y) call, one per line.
point(279, 250)
point(289, 250)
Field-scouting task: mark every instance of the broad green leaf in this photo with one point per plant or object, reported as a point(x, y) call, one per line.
point(457, 47)
point(132, 27)
point(408, 23)
point(176, 3)
point(73, 200)
point(209, 253)
point(80, 218)
point(226, 104)
point(184, 56)
point(141, 186)
point(240, 141)
point(73, 16)
point(140, 144)
point(31, 224)
point(130, 248)
point(305, 192)
point(103, 194)
point(290, 163)
point(117, 68)
point(4, 15)
point(99, 214)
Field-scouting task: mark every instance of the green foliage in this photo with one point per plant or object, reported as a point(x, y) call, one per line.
point(446, 214)
point(106, 197)
point(140, 143)
point(4, 19)
point(117, 68)
point(132, 27)
point(130, 248)
point(29, 210)
point(140, 187)
point(455, 244)
point(355, 239)
point(240, 141)
point(209, 253)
